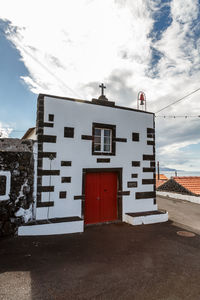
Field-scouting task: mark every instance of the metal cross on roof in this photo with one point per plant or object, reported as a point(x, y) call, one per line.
point(102, 86)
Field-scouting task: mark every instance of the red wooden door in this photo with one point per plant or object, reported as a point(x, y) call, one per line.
point(100, 197)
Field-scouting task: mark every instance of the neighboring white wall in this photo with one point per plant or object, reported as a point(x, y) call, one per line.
point(151, 219)
point(7, 174)
point(32, 135)
point(193, 199)
point(51, 228)
point(81, 116)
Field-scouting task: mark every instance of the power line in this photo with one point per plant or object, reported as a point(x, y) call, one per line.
point(178, 100)
point(44, 67)
point(164, 117)
point(17, 130)
point(174, 117)
point(13, 130)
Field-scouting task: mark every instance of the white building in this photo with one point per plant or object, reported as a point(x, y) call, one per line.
point(96, 163)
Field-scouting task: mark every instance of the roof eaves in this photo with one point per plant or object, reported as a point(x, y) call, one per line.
point(93, 103)
point(27, 133)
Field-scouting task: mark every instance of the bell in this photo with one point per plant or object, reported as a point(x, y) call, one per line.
point(141, 99)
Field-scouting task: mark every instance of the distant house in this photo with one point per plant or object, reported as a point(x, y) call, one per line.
point(30, 134)
point(185, 187)
point(160, 179)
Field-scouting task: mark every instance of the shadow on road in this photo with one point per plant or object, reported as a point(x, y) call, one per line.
point(115, 261)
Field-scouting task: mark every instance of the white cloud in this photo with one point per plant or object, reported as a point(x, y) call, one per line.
point(5, 131)
point(89, 38)
point(74, 45)
point(184, 11)
point(180, 55)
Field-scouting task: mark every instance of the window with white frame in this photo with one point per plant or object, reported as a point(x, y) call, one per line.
point(102, 140)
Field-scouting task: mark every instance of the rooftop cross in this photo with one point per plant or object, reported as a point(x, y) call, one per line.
point(102, 100)
point(102, 86)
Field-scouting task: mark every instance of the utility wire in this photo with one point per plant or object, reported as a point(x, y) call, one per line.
point(178, 100)
point(43, 66)
point(17, 130)
point(13, 129)
point(174, 117)
point(164, 117)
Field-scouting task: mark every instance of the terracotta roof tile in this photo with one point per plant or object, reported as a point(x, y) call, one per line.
point(161, 177)
point(159, 182)
point(191, 183)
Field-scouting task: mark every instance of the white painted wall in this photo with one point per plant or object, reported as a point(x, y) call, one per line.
point(151, 219)
point(81, 116)
point(32, 135)
point(51, 228)
point(193, 199)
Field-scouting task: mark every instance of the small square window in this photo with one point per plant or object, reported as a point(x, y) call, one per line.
point(68, 132)
point(51, 118)
point(135, 163)
point(66, 163)
point(135, 137)
point(65, 179)
point(63, 195)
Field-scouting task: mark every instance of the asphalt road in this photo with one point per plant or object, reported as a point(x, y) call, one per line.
point(115, 261)
point(182, 213)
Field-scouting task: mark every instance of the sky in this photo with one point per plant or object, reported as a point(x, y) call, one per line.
point(67, 48)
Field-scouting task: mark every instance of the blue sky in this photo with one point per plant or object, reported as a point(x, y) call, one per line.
point(18, 103)
point(148, 45)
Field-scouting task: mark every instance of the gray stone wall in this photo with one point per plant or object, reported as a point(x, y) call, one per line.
point(16, 156)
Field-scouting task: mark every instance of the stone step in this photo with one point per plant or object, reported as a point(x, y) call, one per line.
point(147, 217)
point(52, 226)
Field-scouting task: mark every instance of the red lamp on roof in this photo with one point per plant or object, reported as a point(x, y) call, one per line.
point(141, 101)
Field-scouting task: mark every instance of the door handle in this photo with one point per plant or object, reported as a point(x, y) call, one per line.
point(98, 198)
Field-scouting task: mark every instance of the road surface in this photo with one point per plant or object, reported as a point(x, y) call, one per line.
point(181, 212)
point(107, 262)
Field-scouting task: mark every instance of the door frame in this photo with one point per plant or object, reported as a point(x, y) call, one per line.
point(118, 171)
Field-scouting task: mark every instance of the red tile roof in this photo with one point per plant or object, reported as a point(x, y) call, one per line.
point(191, 183)
point(162, 179)
point(159, 182)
